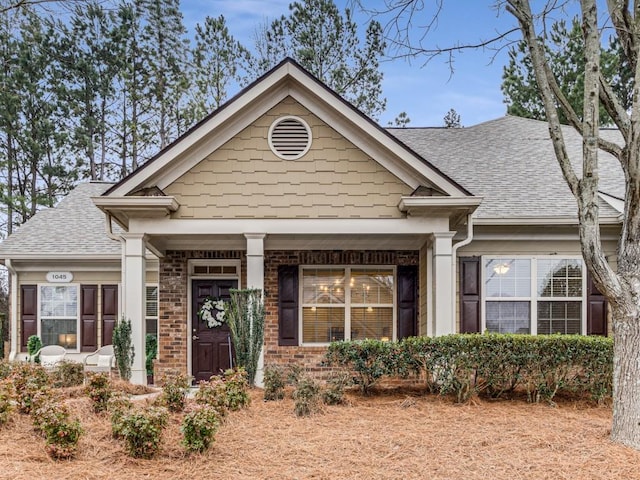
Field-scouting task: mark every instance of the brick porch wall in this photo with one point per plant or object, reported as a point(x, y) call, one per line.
point(173, 336)
point(173, 295)
point(310, 358)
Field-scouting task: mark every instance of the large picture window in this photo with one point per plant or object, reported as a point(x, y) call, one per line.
point(533, 295)
point(59, 315)
point(342, 303)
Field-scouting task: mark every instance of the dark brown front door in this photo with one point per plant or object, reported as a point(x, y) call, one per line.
point(210, 347)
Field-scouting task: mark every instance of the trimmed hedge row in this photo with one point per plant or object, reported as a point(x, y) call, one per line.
point(490, 364)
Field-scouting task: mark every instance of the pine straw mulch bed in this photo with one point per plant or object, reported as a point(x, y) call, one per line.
point(391, 435)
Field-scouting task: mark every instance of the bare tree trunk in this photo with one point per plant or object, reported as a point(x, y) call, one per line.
point(626, 381)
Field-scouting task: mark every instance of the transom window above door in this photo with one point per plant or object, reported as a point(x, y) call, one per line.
point(534, 295)
point(342, 303)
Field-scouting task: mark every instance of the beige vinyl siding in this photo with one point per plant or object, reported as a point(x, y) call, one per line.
point(245, 179)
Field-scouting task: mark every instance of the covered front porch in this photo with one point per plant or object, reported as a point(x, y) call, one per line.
point(250, 253)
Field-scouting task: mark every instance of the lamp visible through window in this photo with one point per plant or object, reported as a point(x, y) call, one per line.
point(501, 268)
point(67, 340)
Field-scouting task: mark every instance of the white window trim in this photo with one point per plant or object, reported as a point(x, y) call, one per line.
point(79, 300)
point(533, 299)
point(347, 305)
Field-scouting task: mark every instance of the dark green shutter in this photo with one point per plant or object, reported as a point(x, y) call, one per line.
point(470, 290)
point(28, 313)
point(288, 305)
point(596, 310)
point(407, 301)
point(88, 318)
point(109, 312)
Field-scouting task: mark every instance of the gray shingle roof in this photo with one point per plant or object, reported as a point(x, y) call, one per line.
point(74, 226)
point(510, 162)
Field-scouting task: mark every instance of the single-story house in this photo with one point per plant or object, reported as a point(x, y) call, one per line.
point(351, 230)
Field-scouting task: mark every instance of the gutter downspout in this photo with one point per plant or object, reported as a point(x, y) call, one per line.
point(14, 309)
point(454, 264)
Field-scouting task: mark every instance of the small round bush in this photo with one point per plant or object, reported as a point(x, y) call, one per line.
point(199, 428)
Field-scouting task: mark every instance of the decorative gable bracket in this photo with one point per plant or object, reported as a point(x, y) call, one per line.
point(122, 209)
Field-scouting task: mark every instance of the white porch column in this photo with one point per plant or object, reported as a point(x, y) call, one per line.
point(443, 314)
point(133, 292)
point(255, 279)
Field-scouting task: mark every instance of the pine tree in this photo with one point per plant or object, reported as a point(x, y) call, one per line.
point(452, 119)
point(218, 61)
point(565, 49)
point(326, 42)
point(164, 49)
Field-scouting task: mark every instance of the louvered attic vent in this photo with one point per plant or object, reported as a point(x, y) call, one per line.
point(289, 137)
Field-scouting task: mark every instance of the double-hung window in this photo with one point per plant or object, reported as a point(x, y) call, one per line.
point(538, 295)
point(59, 315)
point(342, 303)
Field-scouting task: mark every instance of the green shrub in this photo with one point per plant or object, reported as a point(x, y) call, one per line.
point(47, 407)
point(493, 365)
point(28, 379)
point(33, 345)
point(273, 383)
point(236, 388)
point(118, 406)
point(6, 400)
point(142, 431)
point(62, 439)
point(174, 391)
point(213, 394)
point(199, 428)
point(306, 397)
point(99, 390)
point(333, 393)
point(5, 369)
point(151, 351)
point(369, 359)
point(52, 419)
point(67, 374)
point(123, 348)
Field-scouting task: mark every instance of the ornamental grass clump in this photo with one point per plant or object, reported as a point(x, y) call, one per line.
point(199, 428)
point(142, 431)
point(174, 391)
point(99, 390)
point(274, 382)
